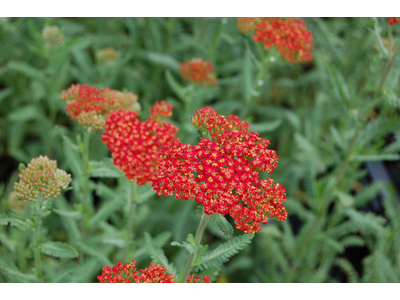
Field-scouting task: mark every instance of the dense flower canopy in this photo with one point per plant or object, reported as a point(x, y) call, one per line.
point(127, 273)
point(135, 144)
point(222, 174)
point(289, 35)
point(88, 105)
point(41, 177)
point(200, 71)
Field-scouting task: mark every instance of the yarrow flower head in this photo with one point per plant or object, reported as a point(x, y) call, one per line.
point(88, 105)
point(127, 273)
point(135, 144)
point(222, 174)
point(161, 110)
point(41, 177)
point(52, 36)
point(108, 56)
point(393, 20)
point(289, 35)
point(200, 71)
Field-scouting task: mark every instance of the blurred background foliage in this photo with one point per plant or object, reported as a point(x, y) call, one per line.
point(329, 120)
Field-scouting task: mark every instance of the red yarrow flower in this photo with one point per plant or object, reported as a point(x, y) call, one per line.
point(289, 35)
point(223, 174)
point(200, 71)
point(127, 273)
point(135, 144)
point(161, 110)
point(393, 20)
point(88, 105)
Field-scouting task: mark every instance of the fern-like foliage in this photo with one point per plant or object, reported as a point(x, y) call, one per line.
point(157, 254)
point(222, 253)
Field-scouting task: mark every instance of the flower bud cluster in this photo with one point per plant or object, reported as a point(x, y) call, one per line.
point(289, 35)
point(15, 205)
point(108, 55)
point(88, 105)
point(135, 144)
point(41, 176)
point(223, 174)
point(200, 71)
point(393, 20)
point(52, 36)
point(127, 273)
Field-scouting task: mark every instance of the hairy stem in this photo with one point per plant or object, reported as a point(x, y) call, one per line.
point(197, 239)
point(36, 237)
point(85, 180)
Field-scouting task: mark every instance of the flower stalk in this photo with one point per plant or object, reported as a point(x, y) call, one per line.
point(131, 210)
point(197, 239)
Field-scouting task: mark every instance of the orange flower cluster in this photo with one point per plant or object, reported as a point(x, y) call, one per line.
point(289, 35)
point(88, 105)
point(393, 20)
point(135, 144)
point(127, 273)
point(200, 71)
point(222, 174)
point(41, 176)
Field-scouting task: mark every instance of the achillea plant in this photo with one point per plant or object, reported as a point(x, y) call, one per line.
point(16, 206)
point(222, 174)
point(289, 35)
point(127, 273)
point(393, 20)
point(135, 144)
point(88, 105)
point(41, 177)
point(200, 71)
point(108, 56)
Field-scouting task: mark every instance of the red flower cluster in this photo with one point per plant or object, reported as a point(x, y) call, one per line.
point(200, 71)
point(227, 180)
point(135, 144)
point(161, 110)
point(192, 279)
point(289, 35)
point(88, 105)
point(41, 176)
point(126, 273)
point(393, 20)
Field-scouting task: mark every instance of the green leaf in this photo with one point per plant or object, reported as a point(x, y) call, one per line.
point(189, 245)
point(95, 251)
point(105, 169)
point(265, 126)
point(157, 254)
point(14, 275)
point(223, 224)
point(27, 70)
point(222, 253)
point(199, 210)
point(29, 112)
point(71, 154)
point(69, 214)
point(162, 59)
point(376, 157)
point(14, 220)
point(175, 86)
point(106, 210)
point(59, 249)
point(21, 167)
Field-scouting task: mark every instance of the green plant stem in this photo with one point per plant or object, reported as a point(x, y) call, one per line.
point(131, 210)
point(390, 41)
point(85, 181)
point(36, 237)
point(197, 239)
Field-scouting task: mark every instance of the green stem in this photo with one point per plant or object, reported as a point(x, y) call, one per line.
point(390, 39)
point(131, 210)
point(85, 181)
point(197, 239)
point(36, 236)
